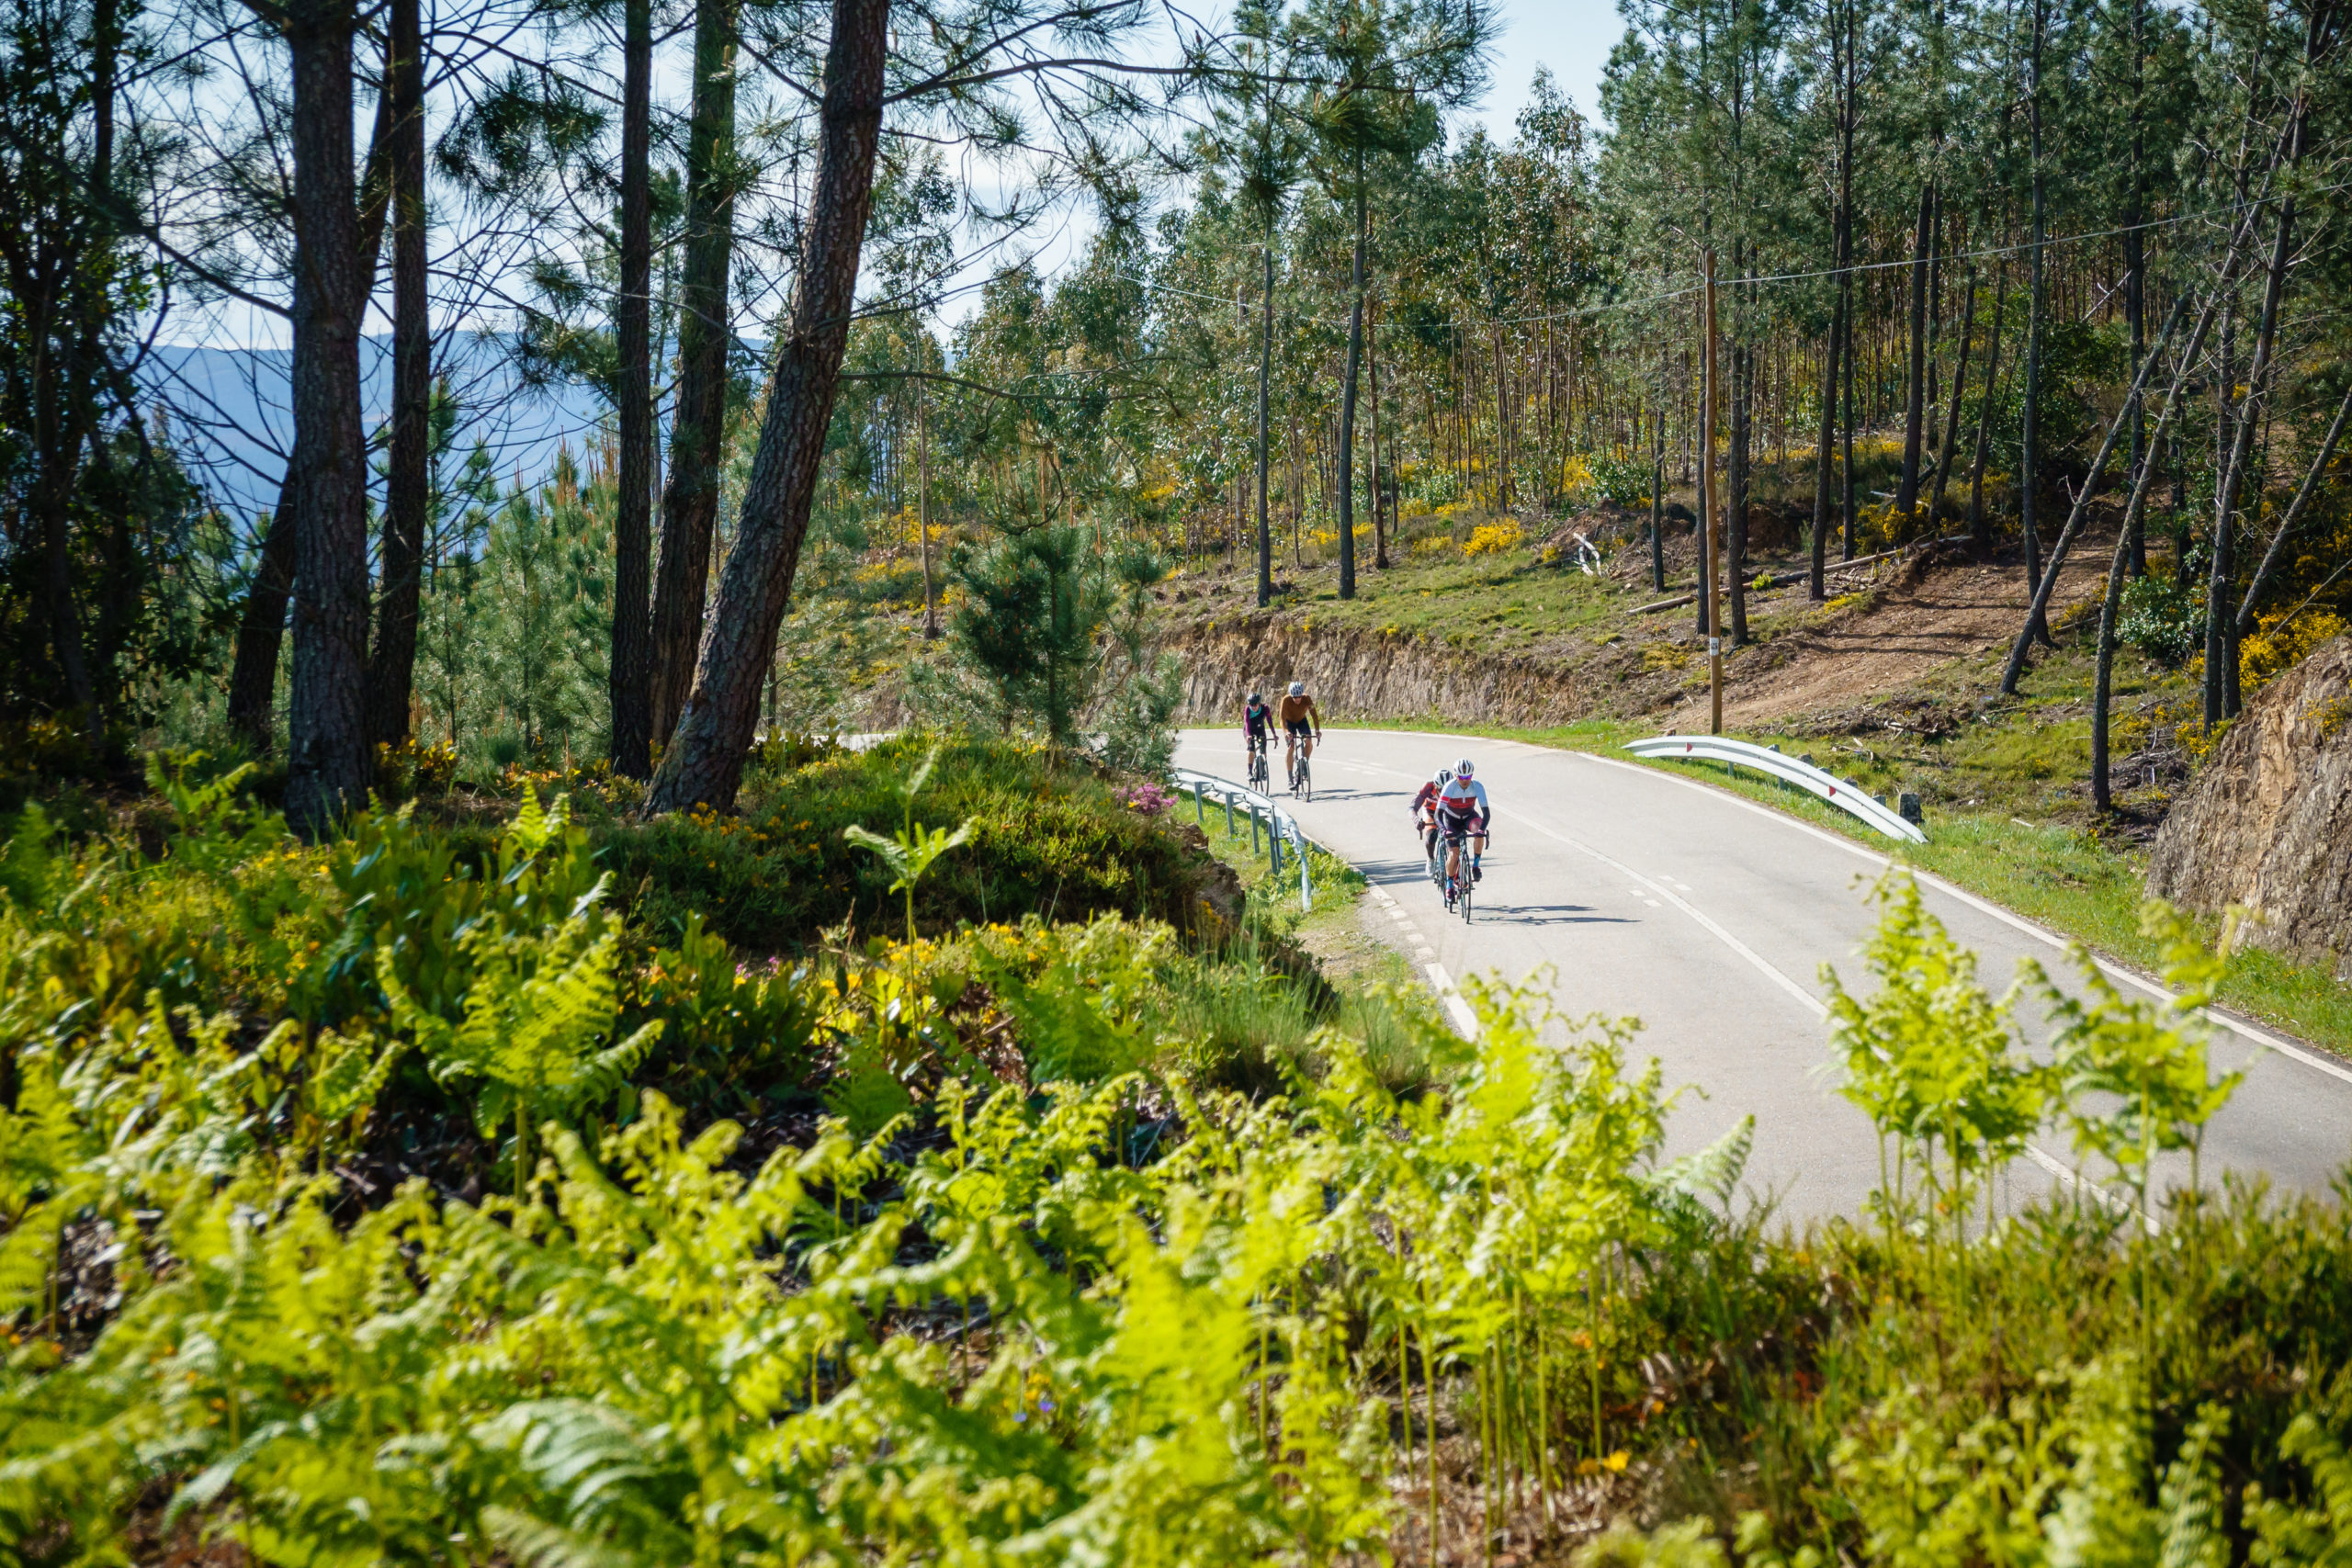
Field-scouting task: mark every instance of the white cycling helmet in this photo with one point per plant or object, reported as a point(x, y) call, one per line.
point(1298, 688)
point(1465, 768)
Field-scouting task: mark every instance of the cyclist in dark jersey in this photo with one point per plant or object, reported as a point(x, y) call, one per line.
point(1257, 724)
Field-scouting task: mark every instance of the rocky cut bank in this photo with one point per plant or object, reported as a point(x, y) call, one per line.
point(2268, 825)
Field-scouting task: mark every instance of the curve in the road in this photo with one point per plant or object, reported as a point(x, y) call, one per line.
point(1697, 912)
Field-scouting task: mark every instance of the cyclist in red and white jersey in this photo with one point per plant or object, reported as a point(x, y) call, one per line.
point(1461, 809)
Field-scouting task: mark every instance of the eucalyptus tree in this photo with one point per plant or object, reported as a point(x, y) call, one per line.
point(1261, 135)
point(1389, 67)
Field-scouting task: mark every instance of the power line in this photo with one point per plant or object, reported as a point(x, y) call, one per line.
point(1647, 301)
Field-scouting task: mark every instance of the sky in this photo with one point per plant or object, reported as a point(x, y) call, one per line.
point(1572, 38)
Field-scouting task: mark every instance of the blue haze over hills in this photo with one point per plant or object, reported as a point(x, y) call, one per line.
point(227, 415)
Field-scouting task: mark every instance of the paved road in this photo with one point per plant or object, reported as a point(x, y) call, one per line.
point(1708, 916)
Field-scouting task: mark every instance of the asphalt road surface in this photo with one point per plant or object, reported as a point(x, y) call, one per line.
point(1707, 918)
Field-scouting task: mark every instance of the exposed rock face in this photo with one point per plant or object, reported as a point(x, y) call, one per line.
point(2268, 823)
point(1362, 674)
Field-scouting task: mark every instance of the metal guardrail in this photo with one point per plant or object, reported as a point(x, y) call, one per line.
point(1280, 825)
point(1837, 791)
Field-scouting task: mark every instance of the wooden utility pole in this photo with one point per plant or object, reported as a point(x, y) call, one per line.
point(1708, 509)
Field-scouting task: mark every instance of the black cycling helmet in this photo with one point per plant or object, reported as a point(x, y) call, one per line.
point(1257, 699)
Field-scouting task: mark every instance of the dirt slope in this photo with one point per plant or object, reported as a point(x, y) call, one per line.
point(1945, 608)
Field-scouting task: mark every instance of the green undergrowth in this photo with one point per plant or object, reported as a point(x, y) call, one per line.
point(1052, 837)
point(968, 1247)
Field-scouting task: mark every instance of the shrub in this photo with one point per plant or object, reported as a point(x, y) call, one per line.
point(1624, 482)
point(2162, 619)
point(1493, 538)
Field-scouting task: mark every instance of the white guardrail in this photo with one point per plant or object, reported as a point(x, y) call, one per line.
point(1837, 791)
point(1280, 826)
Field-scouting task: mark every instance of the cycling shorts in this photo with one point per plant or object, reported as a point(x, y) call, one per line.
point(1457, 825)
point(1303, 728)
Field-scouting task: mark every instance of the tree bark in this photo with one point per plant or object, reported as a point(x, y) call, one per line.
point(630, 666)
point(1823, 459)
point(1743, 389)
point(1915, 410)
point(1265, 375)
point(1379, 468)
point(922, 517)
point(1346, 456)
point(703, 765)
point(391, 661)
point(261, 625)
point(698, 431)
point(2028, 455)
point(328, 770)
point(1980, 526)
point(1959, 385)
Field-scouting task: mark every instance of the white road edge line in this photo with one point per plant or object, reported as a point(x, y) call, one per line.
point(1466, 1020)
point(2117, 972)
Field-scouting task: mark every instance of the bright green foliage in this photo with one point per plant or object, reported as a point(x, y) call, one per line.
point(1036, 1292)
point(2145, 1059)
point(1931, 1059)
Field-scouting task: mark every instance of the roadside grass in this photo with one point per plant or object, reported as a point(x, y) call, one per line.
point(1500, 600)
point(1360, 985)
point(2079, 882)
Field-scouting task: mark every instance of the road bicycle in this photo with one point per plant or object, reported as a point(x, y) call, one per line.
point(1302, 782)
point(1258, 777)
point(1458, 885)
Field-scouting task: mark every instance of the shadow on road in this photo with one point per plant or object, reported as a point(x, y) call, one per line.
point(1549, 914)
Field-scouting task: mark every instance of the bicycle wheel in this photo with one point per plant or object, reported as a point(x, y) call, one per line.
point(1465, 903)
point(1306, 780)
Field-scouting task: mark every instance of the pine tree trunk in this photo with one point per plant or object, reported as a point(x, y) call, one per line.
point(1915, 407)
point(1980, 526)
point(407, 480)
point(2030, 453)
point(1265, 375)
point(328, 771)
point(261, 624)
point(699, 429)
point(1380, 468)
point(1823, 462)
point(1959, 385)
point(705, 763)
point(626, 675)
point(1347, 453)
point(1743, 388)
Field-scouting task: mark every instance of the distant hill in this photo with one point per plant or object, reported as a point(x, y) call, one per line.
point(227, 413)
